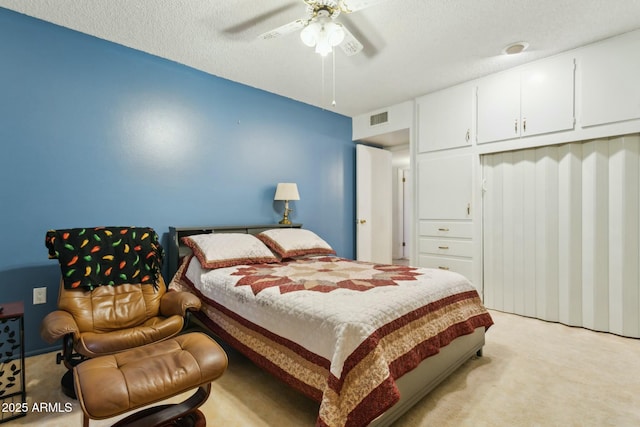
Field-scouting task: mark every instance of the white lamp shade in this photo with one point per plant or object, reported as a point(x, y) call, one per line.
point(309, 34)
point(287, 191)
point(335, 33)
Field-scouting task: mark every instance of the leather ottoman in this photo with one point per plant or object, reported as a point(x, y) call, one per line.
point(108, 386)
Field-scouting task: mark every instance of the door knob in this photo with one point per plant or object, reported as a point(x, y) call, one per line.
point(363, 221)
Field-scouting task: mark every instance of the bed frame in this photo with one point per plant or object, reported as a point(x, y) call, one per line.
point(414, 385)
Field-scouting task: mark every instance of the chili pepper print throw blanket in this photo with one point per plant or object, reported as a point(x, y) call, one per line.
point(338, 330)
point(98, 256)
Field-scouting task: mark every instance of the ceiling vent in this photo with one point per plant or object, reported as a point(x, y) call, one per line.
point(378, 119)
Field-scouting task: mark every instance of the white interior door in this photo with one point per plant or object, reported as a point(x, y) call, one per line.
point(373, 204)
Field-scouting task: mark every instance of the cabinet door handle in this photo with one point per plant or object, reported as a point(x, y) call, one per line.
point(443, 229)
point(468, 135)
point(443, 247)
point(443, 268)
point(524, 125)
point(515, 126)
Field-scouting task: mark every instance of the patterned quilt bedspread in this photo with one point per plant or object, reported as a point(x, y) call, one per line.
point(338, 330)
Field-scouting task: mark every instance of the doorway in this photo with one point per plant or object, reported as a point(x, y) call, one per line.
point(400, 200)
point(373, 205)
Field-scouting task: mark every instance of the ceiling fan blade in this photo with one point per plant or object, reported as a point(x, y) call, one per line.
point(250, 23)
point(350, 45)
point(349, 6)
point(284, 29)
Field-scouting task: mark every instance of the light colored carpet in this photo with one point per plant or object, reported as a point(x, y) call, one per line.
point(533, 373)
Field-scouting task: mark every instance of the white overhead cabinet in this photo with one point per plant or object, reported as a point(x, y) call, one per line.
point(532, 100)
point(610, 85)
point(445, 118)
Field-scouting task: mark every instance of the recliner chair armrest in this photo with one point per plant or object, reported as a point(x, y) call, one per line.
point(56, 325)
point(175, 302)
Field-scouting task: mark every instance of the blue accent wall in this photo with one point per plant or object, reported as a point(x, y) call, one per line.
point(94, 133)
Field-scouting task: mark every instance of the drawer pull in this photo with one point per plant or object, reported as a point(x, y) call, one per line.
point(443, 247)
point(443, 268)
point(443, 229)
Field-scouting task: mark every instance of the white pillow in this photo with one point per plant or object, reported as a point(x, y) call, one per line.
point(291, 242)
point(228, 249)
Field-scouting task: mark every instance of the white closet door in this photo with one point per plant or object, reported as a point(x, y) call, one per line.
point(561, 233)
point(624, 258)
point(445, 191)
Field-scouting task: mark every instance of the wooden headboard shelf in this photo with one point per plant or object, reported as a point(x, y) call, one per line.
point(176, 249)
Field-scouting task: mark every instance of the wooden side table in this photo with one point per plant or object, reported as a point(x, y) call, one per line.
point(13, 393)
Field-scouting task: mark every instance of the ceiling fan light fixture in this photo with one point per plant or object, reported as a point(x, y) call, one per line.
point(323, 34)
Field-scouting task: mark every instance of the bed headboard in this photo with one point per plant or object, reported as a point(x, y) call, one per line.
point(177, 250)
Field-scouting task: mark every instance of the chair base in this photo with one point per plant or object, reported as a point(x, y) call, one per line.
point(194, 419)
point(66, 384)
point(183, 414)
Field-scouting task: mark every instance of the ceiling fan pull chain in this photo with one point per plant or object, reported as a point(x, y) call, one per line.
point(333, 60)
point(323, 96)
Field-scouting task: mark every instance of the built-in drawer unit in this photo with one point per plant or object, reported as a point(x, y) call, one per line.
point(447, 245)
point(459, 265)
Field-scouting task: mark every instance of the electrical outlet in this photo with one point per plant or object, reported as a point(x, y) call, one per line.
point(40, 295)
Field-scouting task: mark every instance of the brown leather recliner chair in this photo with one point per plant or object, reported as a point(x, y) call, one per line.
point(110, 319)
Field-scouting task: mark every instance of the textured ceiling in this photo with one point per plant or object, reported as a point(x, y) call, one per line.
point(412, 47)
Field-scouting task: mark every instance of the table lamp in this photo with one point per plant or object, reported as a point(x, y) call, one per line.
point(286, 191)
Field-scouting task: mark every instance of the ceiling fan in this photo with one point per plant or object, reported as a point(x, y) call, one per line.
point(320, 28)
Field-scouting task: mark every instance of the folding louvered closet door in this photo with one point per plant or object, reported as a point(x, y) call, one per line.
point(561, 233)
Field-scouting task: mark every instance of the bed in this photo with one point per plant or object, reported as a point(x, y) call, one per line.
point(367, 341)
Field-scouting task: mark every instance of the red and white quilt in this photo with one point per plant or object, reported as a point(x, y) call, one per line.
point(340, 331)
